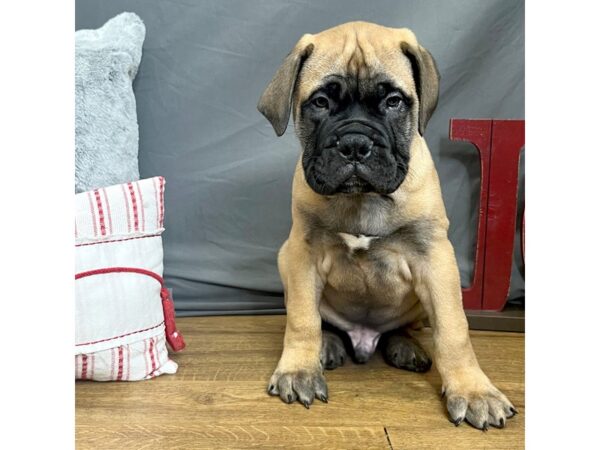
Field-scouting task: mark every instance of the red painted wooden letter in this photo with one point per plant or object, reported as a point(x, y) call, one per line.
point(499, 143)
point(479, 133)
point(508, 138)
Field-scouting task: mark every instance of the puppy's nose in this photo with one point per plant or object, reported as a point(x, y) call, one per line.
point(355, 147)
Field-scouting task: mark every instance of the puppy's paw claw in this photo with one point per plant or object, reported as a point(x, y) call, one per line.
point(301, 385)
point(482, 410)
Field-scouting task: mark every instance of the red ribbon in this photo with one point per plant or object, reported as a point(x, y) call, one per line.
point(174, 337)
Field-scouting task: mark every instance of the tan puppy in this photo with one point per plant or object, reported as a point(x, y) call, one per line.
point(368, 253)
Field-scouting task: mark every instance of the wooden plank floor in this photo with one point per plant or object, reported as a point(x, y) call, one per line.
point(218, 399)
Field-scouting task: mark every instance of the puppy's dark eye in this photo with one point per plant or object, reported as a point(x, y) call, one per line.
point(393, 101)
point(321, 102)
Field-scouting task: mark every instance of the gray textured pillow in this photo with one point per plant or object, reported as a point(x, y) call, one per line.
point(106, 129)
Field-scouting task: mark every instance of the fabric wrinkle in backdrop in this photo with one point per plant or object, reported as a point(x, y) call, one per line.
point(204, 67)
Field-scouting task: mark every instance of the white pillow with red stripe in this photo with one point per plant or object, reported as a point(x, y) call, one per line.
point(124, 314)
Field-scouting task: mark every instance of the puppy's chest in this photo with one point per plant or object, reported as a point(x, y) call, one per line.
point(368, 248)
point(366, 265)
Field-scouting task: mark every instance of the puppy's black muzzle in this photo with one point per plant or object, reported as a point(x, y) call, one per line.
point(352, 156)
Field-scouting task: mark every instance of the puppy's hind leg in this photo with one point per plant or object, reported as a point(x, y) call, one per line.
point(403, 351)
point(333, 351)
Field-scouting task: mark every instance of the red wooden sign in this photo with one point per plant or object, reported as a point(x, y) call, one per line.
point(499, 143)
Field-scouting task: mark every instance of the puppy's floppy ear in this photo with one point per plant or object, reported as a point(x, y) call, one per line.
point(427, 81)
point(276, 101)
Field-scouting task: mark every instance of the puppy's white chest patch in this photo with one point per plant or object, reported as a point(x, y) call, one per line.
point(360, 242)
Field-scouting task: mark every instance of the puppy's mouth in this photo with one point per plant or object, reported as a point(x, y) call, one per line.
point(355, 185)
point(328, 175)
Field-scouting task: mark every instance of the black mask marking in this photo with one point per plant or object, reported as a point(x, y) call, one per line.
point(356, 136)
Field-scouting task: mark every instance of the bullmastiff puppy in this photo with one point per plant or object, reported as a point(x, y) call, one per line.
point(368, 252)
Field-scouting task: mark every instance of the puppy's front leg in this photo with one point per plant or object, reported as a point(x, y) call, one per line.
point(470, 394)
point(299, 375)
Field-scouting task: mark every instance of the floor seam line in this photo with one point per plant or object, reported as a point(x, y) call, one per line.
point(387, 436)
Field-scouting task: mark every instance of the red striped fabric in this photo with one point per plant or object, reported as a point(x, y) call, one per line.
point(100, 213)
point(134, 206)
point(118, 240)
point(84, 364)
point(80, 344)
point(143, 359)
point(116, 211)
point(128, 377)
point(151, 352)
point(161, 191)
point(113, 215)
point(120, 372)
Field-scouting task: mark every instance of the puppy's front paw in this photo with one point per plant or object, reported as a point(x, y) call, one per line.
point(301, 385)
point(481, 406)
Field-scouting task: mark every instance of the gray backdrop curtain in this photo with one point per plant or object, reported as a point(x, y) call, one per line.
point(204, 66)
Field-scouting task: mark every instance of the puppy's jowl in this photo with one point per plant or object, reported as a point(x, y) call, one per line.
point(368, 253)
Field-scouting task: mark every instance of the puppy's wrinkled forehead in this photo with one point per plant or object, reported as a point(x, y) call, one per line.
point(353, 51)
point(360, 52)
